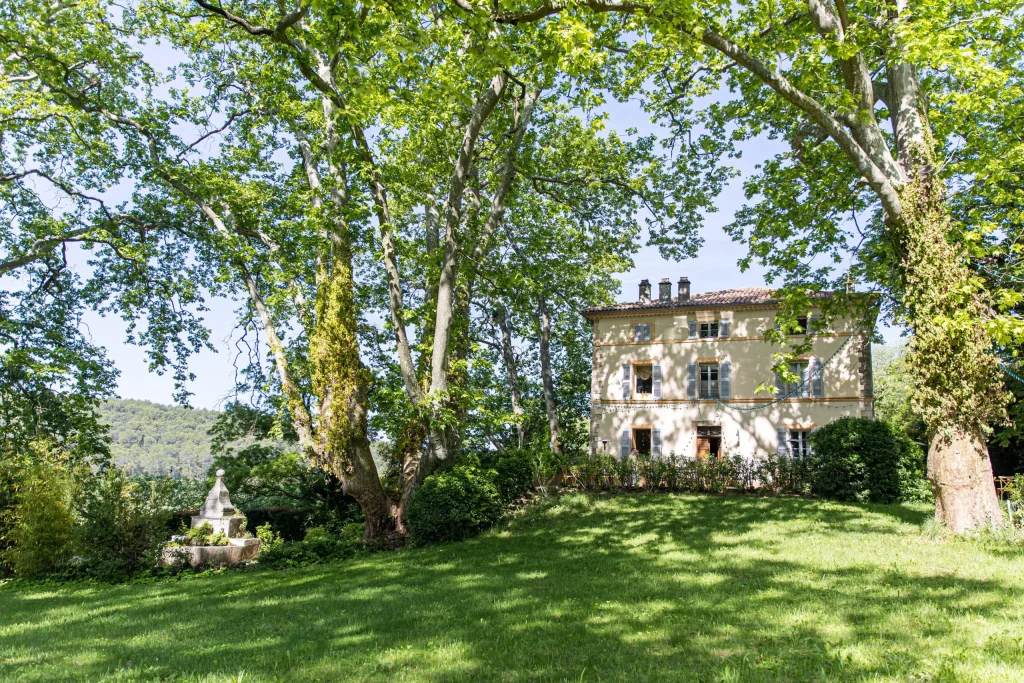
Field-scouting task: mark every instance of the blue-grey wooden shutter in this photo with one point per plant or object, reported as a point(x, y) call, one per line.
point(627, 392)
point(656, 381)
point(624, 444)
point(724, 379)
point(817, 381)
point(813, 324)
point(655, 443)
point(723, 328)
point(691, 380)
point(782, 447)
point(691, 331)
point(780, 386)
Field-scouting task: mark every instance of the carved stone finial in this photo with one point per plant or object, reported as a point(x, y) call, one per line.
point(217, 504)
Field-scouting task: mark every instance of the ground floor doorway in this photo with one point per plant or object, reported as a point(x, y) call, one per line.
point(709, 441)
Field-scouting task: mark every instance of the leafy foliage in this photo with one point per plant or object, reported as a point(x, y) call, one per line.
point(41, 525)
point(511, 472)
point(856, 459)
point(124, 525)
point(452, 505)
point(317, 547)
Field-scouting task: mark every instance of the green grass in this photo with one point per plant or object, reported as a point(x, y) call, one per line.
point(631, 588)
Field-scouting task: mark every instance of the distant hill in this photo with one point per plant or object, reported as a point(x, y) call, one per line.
point(150, 438)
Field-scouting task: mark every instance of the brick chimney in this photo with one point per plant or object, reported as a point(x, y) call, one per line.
point(665, 290)
point(684, 289)
point(645, 291)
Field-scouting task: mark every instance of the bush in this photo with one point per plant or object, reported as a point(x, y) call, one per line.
point(317, 547)
point(511, 473)
point(124, 525)
point(42, 528)
point(859, 460)
point(453, 505)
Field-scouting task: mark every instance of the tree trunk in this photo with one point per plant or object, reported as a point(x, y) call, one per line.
point(958, 385)
point(549, 385)
point(960, 473)
point(508, 355)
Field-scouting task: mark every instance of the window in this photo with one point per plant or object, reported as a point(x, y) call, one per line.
point(801, 324)
point(709, 380)
point(799, 442)
point(642, 441)
point(708, 330)
point(642, 332)
point(803, 387)
point(644, 379)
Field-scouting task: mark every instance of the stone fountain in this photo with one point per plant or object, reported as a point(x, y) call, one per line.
point(220, 514)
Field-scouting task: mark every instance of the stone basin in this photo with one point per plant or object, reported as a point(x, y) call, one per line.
point(239, 550)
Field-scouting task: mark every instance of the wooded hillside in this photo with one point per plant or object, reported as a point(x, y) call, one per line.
point(151, 438)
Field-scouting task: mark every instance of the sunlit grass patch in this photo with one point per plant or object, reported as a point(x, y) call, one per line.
point(645, 587)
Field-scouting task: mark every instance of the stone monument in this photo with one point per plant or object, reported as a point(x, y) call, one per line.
point(220, 514)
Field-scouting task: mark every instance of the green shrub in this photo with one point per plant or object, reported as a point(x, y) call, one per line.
point(124, 525)
point(319, 545)
point(202, 535)
point(856, 459)
point(268, 537)
point(511, 472)
point(453, 505)
point(42, 528)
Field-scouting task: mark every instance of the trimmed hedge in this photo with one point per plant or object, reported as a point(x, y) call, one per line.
point(453, 505)
point(859, 460)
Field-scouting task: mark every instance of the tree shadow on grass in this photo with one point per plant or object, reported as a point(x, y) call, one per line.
point(634, 588)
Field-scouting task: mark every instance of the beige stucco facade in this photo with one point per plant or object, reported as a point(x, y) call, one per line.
point(845, 380)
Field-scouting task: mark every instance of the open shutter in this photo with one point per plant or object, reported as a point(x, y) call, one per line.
point(782, 447)
point(817, 381)
point(813, 324)
point(780, 386)
point(691, 329)
point(656, 443)
point(723, 328)
point(656, 381)
point(627, 392)
point(691, 380)
point(725, 379)
point(624, 444)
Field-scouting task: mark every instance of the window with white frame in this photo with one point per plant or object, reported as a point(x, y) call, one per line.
point(642, 332)
point(799, 442)
point(709, 380)
point(709, 330)
point(644, 380)
point(803, 386)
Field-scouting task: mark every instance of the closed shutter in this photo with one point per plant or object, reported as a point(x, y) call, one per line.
point(723, 328)
point(782, 447)
point(655, 443)
point(656, 381)
point(817, 381)
point(780, 386)
point(624, 445)
point(626, 390)
point(724, 379)
point(691, 380)
point(691, 330)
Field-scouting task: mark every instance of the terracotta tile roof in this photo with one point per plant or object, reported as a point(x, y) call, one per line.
point(743, 296)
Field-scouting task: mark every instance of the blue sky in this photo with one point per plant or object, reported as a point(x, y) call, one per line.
point(714, 268)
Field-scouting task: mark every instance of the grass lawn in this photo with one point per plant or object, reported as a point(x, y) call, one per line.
point(646, 587)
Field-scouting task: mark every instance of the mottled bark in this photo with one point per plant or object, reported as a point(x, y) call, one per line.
point(960, 472)
point(512, 372)
point(547, 381)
